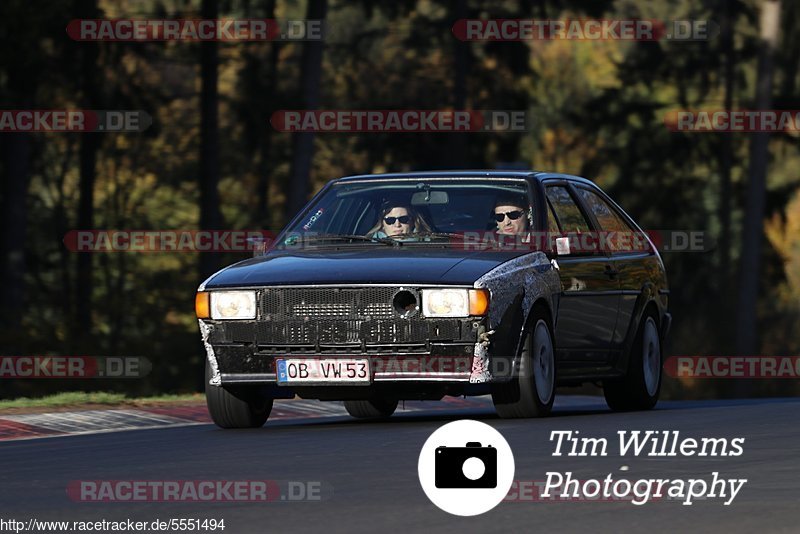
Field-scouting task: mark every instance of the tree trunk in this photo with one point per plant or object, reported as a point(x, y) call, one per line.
point(210, 215)
point(455, 153)
point(725, 166)
point(89, 145)
point(303, 142)
point(726, 150)
point(752, 235)
point(265, 161)
point(16, 165)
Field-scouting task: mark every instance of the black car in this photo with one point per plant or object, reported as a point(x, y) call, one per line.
point(420, 285)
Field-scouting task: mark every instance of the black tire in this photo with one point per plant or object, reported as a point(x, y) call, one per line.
point(236, 407)
point(640, 387)
point(532, 391)
point(370, 409)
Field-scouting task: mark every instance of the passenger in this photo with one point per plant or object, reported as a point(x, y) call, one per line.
point(513, 217)
point(398, 219)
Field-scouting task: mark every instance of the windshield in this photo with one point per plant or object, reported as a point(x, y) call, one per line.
point(414, 210)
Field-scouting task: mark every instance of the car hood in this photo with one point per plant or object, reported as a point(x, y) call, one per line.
point(362, 265)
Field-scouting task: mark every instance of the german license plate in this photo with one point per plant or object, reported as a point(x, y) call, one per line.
point(323, 371)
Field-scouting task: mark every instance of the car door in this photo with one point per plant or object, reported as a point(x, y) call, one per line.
point(587, 310)
point(630, 251)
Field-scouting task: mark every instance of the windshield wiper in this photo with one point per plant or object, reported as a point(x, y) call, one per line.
point(349, 237)
point(430, 234)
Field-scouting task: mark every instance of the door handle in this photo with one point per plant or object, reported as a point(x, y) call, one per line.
point(610, 271)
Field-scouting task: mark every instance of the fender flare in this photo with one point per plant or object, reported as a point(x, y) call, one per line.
point(509, 345)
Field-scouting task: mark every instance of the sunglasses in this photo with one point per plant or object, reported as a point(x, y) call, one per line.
point(513, 215)
point(404, 219)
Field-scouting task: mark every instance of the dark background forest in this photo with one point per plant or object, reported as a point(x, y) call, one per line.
point(211, 159)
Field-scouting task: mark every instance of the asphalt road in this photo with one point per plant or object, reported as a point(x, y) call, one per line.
point(371, 469)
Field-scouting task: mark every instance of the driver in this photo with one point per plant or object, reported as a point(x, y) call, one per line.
point(397, 218)
point(512, 216)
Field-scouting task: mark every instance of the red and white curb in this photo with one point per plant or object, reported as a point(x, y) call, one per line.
point(42, 425)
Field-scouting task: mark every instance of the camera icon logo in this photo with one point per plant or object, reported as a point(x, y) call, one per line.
point(466, 467)
point(472, 466)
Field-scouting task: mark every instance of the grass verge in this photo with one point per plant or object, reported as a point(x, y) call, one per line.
point(101, 398)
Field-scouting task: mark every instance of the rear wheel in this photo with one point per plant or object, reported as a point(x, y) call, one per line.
point(236, 407)
point(531, 393)
point(641, 385)
point(370, 409)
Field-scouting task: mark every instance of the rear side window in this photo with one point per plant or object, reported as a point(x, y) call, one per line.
point(618, 234)
point(606, 217)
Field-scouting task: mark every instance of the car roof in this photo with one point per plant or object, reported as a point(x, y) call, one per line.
point(486, 173)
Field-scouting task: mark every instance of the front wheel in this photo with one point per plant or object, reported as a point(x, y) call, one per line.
point(531, 393)
point(641, 385)
point(236, 407)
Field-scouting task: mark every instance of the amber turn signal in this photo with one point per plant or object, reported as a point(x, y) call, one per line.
point(201, 306)
point(478, 301)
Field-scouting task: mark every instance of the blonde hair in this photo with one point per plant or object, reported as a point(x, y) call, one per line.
point(417, 222)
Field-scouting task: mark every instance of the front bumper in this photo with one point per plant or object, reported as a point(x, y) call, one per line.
point(251, 363)
point(451, 362)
